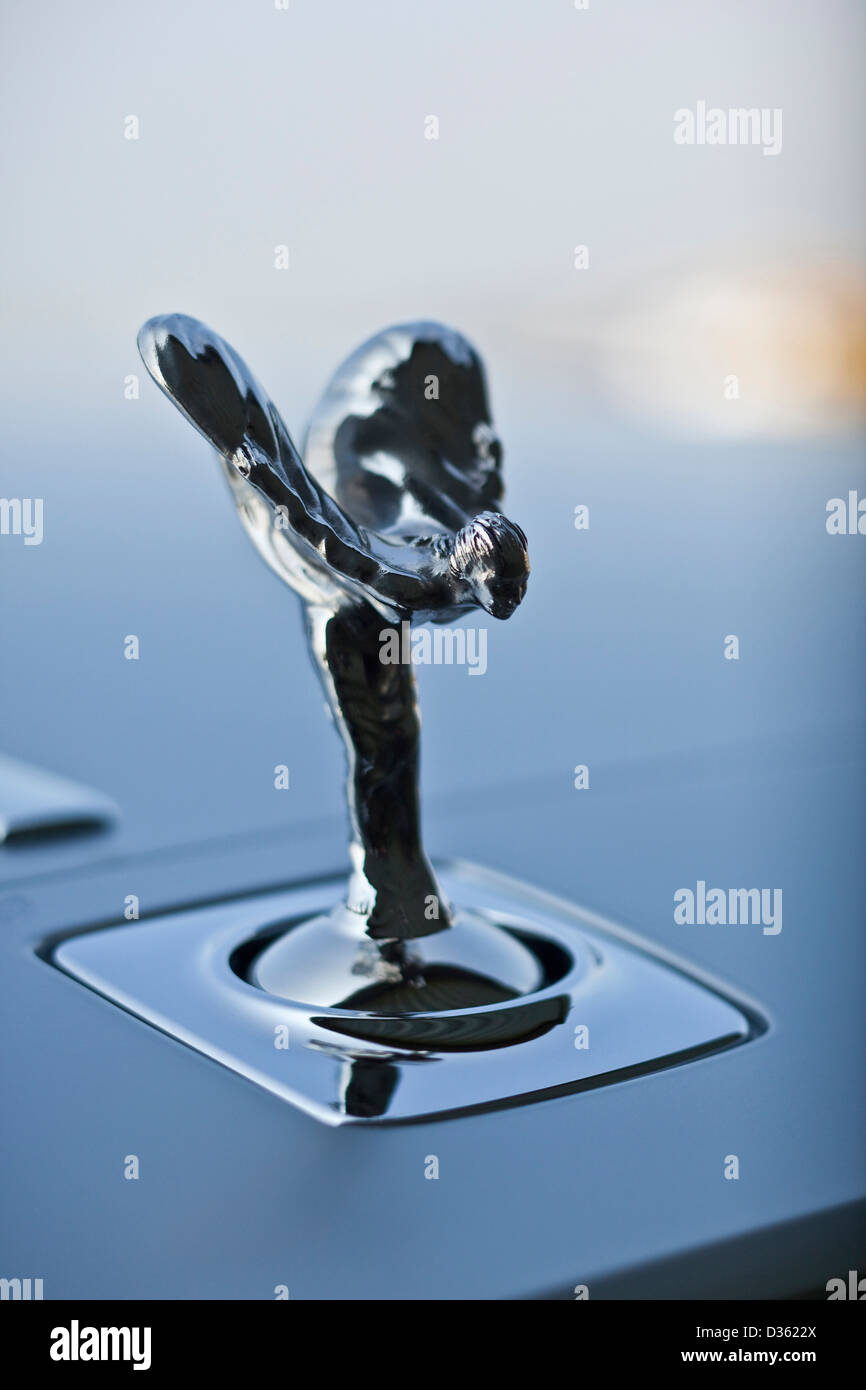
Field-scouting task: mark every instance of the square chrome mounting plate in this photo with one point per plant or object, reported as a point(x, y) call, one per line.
point(622, 1010)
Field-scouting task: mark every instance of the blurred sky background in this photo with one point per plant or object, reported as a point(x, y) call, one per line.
point(306, 127)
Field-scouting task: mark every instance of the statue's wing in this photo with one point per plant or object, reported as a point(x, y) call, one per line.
point(213, 387)
point(403, 437)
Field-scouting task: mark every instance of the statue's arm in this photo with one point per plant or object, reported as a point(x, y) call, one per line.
point(410, 576)
point(213, 387)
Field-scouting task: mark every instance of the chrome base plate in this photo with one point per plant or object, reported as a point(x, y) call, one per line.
point(609, 1007)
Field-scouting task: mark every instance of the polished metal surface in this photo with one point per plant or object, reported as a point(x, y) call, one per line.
point(605, 1007)
point(35, 802)
point(401, 997)
point(388, 523)
point(323, 960)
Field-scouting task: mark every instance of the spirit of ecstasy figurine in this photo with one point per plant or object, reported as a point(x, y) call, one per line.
point(390, 518)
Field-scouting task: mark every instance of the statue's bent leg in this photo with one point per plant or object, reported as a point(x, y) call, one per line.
point(374, 705)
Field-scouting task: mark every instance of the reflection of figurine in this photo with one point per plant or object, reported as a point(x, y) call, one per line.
point(390, 520)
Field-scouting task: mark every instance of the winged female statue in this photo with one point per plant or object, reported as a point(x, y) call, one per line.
point(391, 516)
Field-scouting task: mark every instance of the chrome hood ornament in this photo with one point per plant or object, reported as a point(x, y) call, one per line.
point(391, 518)
point(397, 1005)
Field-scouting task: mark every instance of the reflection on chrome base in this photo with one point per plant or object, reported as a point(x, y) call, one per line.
point(599, 1007)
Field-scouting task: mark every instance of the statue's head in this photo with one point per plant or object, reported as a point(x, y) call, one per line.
point(490, 556)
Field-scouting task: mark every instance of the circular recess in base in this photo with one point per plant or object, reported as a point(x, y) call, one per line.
point(472, 985)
